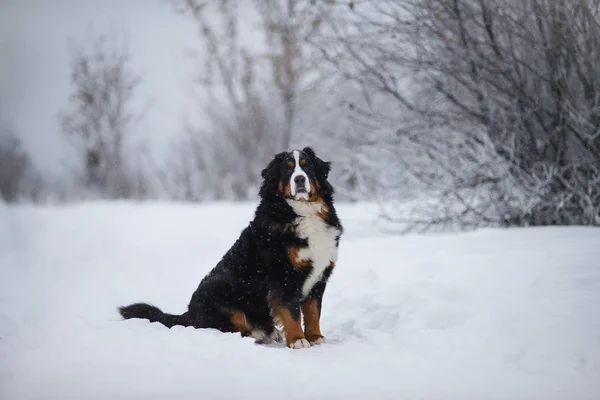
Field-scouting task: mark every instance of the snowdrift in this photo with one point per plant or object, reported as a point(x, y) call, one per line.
point(491, 314)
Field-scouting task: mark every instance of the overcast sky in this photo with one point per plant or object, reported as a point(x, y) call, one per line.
point(34, 60)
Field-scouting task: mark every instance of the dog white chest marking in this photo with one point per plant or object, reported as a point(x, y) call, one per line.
point(322, 249)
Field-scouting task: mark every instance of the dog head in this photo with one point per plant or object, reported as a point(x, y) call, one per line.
point(297, 175)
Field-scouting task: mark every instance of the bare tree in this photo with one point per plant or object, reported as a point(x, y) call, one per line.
point(289, 25)
point(14, 165)
point(20, 179)
point(492, 105)
point(250, 95)
point(100, 117)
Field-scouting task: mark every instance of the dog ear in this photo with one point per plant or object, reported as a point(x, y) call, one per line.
point(270, 176)
point(322, 168)
point(272, 170)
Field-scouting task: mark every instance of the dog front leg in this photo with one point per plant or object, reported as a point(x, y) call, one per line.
point(311, 311)
point(288, 314)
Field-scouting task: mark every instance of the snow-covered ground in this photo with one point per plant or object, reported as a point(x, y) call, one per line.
point(491, 314)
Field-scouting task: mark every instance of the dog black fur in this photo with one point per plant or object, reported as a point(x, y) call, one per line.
point(259, 281)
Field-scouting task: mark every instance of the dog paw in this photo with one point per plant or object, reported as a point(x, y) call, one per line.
point(299, 344)
point(260, 336)
point(276, 336)
point(317, 341)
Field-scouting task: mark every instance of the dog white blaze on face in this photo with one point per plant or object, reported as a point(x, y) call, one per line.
point(299, 185)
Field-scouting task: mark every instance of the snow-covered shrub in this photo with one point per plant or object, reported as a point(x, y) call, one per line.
point(495, 103)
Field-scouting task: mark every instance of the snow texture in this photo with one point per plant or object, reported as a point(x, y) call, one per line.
point(491, 314)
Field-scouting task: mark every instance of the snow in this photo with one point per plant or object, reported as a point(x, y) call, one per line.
point(490, 314)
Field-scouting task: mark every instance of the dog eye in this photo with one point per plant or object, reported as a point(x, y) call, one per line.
point(290, 164)
point(303, 162)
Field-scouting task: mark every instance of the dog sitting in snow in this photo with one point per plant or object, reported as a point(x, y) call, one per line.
point(278, 269)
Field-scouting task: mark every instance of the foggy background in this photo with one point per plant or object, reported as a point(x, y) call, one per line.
point(36, 41)
point(445, 113)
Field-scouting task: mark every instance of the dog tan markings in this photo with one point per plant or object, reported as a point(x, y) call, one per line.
point(324, 209)
point(240, 322)
point(297, 262)
point(292, 328)
point(284, 190)
point(312, 329)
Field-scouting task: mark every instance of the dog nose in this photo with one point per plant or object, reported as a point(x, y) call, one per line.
point(300, 180)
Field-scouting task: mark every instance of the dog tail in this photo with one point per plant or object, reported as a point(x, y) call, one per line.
point(153, 314)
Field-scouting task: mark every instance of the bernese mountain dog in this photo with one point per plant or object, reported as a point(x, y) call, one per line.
point(276, 273)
